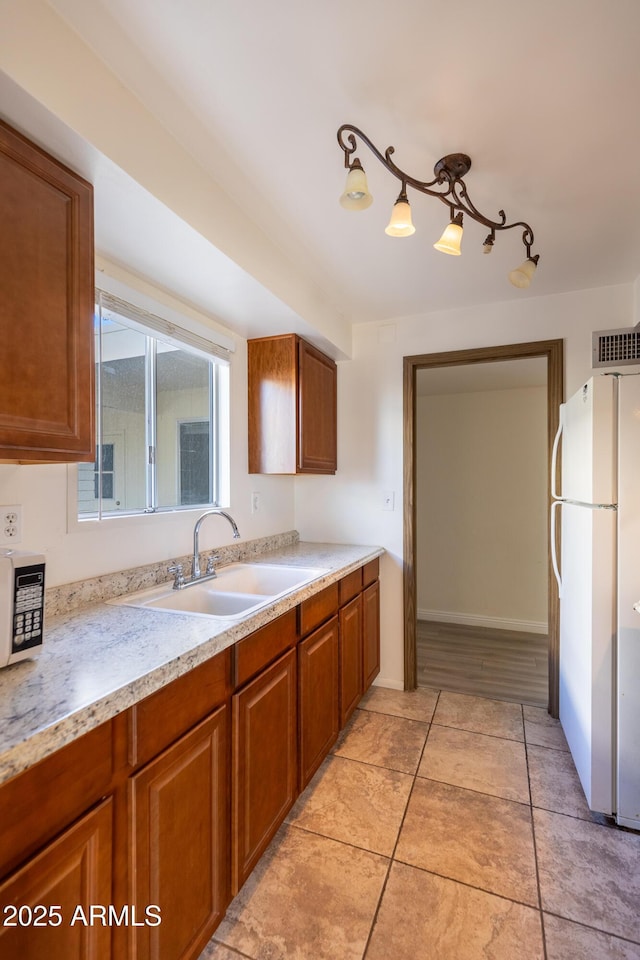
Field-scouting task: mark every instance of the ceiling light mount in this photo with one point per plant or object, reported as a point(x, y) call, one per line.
point(448, 186)
point(454, 166)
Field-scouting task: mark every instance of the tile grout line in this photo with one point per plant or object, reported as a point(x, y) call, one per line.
point(392, 858)
point(533, 836)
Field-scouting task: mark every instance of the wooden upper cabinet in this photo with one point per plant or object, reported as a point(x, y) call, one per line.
point(317, 411)
point(292, 407)
point(46, 306)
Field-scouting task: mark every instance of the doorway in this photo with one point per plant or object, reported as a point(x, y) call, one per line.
point(552, 352)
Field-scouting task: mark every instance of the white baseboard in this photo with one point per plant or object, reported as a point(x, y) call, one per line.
point(389, 684)
point(498, 623)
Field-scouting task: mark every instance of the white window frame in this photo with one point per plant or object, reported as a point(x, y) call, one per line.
point(166, 324)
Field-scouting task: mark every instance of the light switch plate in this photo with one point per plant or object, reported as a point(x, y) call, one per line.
point(388, 500)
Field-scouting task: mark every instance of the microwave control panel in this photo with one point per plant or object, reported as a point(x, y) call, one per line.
point(28, 607)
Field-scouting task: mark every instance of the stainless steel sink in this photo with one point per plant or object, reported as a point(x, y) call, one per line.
point(237, 590)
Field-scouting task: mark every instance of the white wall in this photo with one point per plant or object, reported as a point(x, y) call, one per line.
point(481, 508)
point(349, 506)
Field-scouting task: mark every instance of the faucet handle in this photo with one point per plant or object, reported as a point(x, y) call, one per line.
point(176, 569)
point(211, 561)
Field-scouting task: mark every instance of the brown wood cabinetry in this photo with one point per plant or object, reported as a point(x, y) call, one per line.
point(171, 803)
point(262, 647)
point(359, 594)
point(177, 834)
point(264, 762)
point(161, 718)
point(350, 657)
point(318, 702)
point(179, 842)
point(292, 407)
point(370, 634)
point(46, 306)
point(161, 836)
point(52, 794)
point(46, 904)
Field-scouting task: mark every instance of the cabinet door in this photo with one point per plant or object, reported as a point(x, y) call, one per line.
point(272, 399)
point(61, 883)
point(370, 634)
point(318, 675)
point(46, 306)
point(264, 762)
point(178, 817)
point(350, 658)
point(317, 411)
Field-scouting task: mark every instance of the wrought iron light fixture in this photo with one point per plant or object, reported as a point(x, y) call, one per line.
point(448, 186)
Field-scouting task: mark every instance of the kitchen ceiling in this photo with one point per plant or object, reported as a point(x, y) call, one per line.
point(543, 97)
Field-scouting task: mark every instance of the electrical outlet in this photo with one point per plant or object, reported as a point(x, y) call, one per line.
point(388, 500)
point(10, 524)
point(255, 502)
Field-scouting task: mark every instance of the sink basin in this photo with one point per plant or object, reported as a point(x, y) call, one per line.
point(267, 579)
point(238, 589)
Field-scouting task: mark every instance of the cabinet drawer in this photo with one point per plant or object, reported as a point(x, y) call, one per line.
point(258, 650)
point(164, 716)
point(37, 804)
point(317, 609)
point(350, 586)
point(370, 572)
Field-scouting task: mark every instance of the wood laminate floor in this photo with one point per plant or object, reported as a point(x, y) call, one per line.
point(501, 664)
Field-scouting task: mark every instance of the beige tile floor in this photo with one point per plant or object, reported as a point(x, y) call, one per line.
point(442, 827)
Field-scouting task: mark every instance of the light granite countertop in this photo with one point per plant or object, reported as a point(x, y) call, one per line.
point(99, 660)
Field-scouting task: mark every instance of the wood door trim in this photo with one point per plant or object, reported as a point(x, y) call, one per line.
point(553, 351)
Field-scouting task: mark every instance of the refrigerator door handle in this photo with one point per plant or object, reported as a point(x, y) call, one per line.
point(554, 554)
point(554, 453)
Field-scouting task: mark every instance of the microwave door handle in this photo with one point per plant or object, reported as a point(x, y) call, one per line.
point(554, 454)
point(554, 556)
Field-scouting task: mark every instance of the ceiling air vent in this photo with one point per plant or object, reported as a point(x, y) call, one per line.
point(614, 347)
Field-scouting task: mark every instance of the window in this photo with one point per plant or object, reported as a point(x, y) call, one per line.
point(159, 393)
point(103, 479)
point(193, 458)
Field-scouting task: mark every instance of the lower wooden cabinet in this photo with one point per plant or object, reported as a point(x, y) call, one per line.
point(318, 697)
point(350, 657)
point(264, 762)
point(179, 843)
point(46, 905)
point(198, 777)
point(370, 634)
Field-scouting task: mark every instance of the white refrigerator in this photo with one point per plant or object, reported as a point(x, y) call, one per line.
point(598, 507)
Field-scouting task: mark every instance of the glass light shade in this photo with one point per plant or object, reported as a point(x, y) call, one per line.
point(521, 276)
point(400, 224)
point(450, 240)
point(356, 194)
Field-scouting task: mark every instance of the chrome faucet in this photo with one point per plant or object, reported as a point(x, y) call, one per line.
point(195, 567)
point(196, 574)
